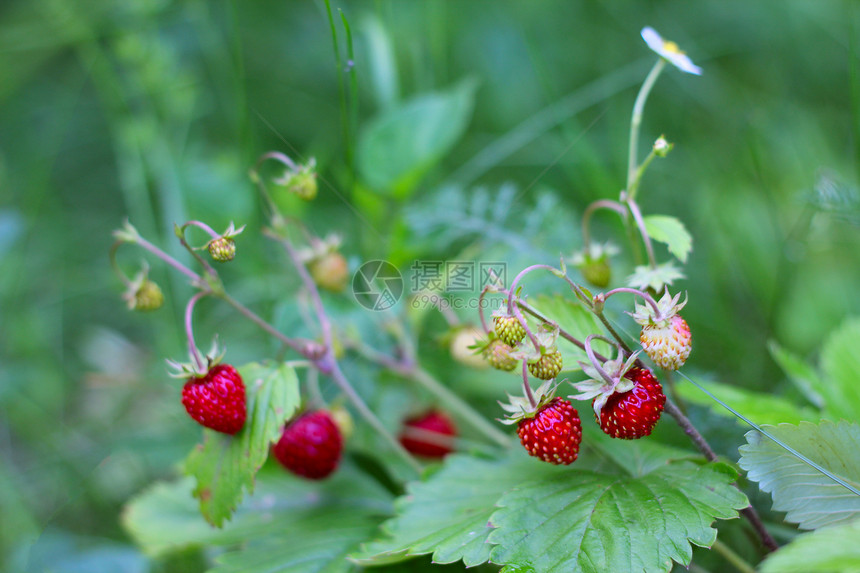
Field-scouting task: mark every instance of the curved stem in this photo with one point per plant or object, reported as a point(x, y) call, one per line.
point(526, 387)
point(201, 225)
point(645, 296)
point(640, 224)
point(199, 364)
point(210, 271)
point(484, 292)
point(636, 118)
point(589, 211)
point(195, 278)
point(277, 156)
point(514, 309)
point(593, 359)
point(115, 264)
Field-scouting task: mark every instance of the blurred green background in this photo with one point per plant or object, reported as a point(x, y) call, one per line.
point(155, 110)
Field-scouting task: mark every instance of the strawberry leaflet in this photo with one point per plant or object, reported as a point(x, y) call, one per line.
point(225, 465)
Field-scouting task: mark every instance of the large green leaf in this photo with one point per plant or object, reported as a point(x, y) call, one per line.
point(758, 407)
point(453, 512)
point(672, 232)
point(594, 522)
point(840, 363)
point(810, 498)
point(339, 512)
point(831, 550)
point(448, 514)
point(397, 147)
point(574, 319)
point(223, 465)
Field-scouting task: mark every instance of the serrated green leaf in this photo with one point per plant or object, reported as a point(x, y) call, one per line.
point(223, 465)
point(840, 363)
point(802, 374)
point(833, 550)
point(165, 518)
point(447, 515)
point(809, 498)
point(758, 407)
point(396, 148)
point(593, 522)
point(576, 320)
point(672, 232)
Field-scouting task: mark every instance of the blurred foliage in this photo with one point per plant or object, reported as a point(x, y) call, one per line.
point(156, 110)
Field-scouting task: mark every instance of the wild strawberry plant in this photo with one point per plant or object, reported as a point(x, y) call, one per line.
point(386, 462)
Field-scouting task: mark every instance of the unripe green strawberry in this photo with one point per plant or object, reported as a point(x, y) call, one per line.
point(222, 249)
point(509, 330)
point(547, 366)
point(498, 354)
point(147, 297)
point(598, 272)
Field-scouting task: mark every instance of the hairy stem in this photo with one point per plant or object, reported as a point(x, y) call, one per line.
point(749, 512)
point(636, 119)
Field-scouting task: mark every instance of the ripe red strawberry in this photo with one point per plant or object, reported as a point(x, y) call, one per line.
point(430, 446)
point(311, 445)
point(216, 400)
point(633, 414)
point(553, 433)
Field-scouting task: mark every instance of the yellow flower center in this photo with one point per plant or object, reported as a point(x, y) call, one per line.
point(671, 47)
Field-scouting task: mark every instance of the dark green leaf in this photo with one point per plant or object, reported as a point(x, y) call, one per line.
point(593, 522)
point(223, 465)
point(810, 498)
point(448, 514)
point(672, 232)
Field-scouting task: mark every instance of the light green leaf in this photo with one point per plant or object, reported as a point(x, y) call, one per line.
point(447, 515)
point(165, 518)
point(396, 148)
point(758, 407)
point(810, 498)
point(802, 374)
point(593, 522)
point(672, 232)
point(575, 319)
point(840, 363)
point(832, 550)
point(223, 465)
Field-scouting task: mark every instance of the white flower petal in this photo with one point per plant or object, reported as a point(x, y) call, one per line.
point(669, 51)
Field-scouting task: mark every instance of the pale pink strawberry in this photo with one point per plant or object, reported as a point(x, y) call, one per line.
point(665, 334)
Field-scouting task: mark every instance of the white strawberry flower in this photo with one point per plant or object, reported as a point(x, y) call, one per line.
point(669, 51)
